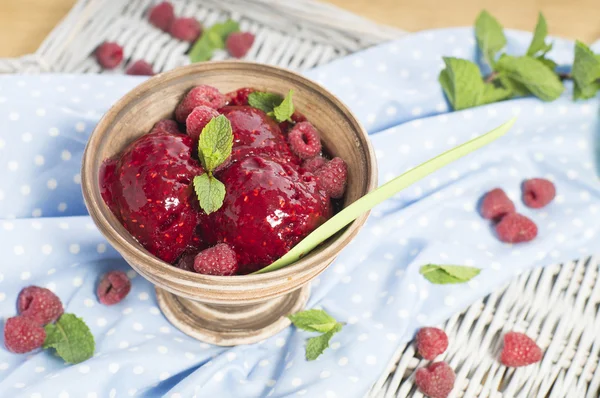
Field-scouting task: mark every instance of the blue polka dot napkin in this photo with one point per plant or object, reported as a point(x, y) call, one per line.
point(47, 239)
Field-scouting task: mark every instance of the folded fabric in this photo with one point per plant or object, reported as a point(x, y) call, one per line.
point(47, 239)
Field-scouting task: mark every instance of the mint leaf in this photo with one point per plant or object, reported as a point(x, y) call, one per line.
point(464, 87)
point(224, 29)
point(448, 274)
point(586, 72)
point(285, 110)
point(215, 143)
point(210, 192)
point(316, 345)
point(212, 39)
point(538, 43)
point(313, 321)
point(490, 36)
point(266, 102)
point(71, 338)
point(531, 74)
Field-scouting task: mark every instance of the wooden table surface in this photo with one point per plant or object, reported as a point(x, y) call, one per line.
point(25, 23)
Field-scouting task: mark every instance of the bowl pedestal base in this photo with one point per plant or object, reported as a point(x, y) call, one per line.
point(228, 324)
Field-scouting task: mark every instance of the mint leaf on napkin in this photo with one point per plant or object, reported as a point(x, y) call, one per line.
point(316, 321)
point(448, 274)
point(528, 74)
point(210, 192)
point(266, 102)
point(490, 36)
point(586, 72)
point(538, 44)
point(464, 87)
point(215, 143)
point(71, 338)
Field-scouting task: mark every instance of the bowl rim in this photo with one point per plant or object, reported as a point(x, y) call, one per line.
point(89, 185)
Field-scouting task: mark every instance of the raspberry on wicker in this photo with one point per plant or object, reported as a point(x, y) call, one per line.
point(431, 342)
point(162, 15)
point(166, 126)
point(239, 43)
point(496, 204)
point(113, 287)
point(139, 68)
point(216, 260)
point(332, 177)
point(22, 335)
point(435, 380)
point(186, 29)
point(109, 55)
point(199, 95)
point(519, 350)
point(198, 119)
point(313, 164)
point(538, 192)
point(39, 304)
point(516, 228)
point(304, 140)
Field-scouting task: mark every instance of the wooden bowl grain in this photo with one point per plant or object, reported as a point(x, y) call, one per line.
point(235, 309)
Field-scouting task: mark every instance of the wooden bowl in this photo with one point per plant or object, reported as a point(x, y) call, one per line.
point(227, 310)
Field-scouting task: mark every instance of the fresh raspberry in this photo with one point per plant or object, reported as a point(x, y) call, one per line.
point(496, 204)
point(166, 126)
point(332, 177)
point(216, 260)
point(239, 97)
point(162, 15)
point(287, 125)
point(431, 342)
point(304, 140)
point(313, 164)
point(516, 228)
point(186, 29)
point(519, 350)
point(436, 380)
point(538, 192)
point(139, 68)
point(109, 55)
point(186, 261)
point(39, 304)
point(199, 118)
point(238, 43)
point(23, 334)
point(113, 287)
point(199, 95)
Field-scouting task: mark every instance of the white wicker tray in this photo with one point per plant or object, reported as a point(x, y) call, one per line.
point(558, 305)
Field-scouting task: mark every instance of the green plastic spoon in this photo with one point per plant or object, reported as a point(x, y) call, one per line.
point(384, 192)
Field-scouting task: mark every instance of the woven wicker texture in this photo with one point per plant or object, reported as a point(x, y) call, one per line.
point(557, 306)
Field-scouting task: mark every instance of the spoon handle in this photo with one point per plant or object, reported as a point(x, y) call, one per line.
point(384, 192)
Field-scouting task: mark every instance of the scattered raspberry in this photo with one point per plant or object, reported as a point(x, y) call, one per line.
point(238, 43)
point(113, 287)
point(239, 97)
point(431, 342)
point(515, 228)
point(39, 304)
point(496, 205)
point(199, 118)
point(186, 261)
point(166, 126)
point(304, 140)
point(109, 55)
point(519, 350)
point(199, 95)
point(436, 380)
point(216, 260)
point(162, 15)
point(332, 177)
point(538, 192)
point(139, 68)
point(23, 334)
point(314, 164)
point(186, 29)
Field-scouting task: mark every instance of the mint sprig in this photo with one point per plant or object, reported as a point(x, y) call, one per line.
point(316, 321)
point(71, 338)
point(278, 107)
point(212, 39)
point(214, 148)
point(448, 274)
point(512, 75)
